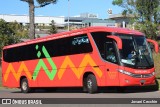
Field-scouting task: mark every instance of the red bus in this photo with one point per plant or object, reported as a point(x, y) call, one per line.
point(90, 58)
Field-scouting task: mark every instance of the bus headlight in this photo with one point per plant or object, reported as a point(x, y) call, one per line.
point(136, 75)
point(125, 72)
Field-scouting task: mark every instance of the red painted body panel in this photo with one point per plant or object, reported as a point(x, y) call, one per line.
point(155, 44)
point(136, 81)
point(118, 40)
point(71, 68)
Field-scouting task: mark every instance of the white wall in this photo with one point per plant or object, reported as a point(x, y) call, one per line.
point(38, 19)
point(12, 18)
point(43, 19)
point(103, 24)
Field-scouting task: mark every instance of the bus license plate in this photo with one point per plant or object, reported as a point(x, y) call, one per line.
point(142, 81)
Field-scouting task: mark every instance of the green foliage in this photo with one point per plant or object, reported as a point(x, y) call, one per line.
point(45, 2)
point(53, 28)
point(146, 14)
point(6, 34)
point(10, 33)
point(158, 83)
point(128, 5)
point(19, 30)
point(117, 2)
point(148, 28)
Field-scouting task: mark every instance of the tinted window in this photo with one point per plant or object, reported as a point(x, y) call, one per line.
point(110, 50)
point(60, 47)
point(100, 40)
point(105, 46)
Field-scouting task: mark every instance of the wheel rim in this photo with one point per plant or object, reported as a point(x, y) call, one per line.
point(24, 85)
point(89, 83)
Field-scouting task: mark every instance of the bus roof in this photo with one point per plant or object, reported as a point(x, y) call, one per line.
point(76, 32)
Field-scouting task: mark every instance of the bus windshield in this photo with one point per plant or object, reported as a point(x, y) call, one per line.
point(135, 52)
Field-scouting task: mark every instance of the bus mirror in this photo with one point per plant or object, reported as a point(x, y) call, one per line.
point(156, 47)
point(117, 39)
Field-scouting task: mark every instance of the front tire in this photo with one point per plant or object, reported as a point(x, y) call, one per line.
point(156, 86)
point(91, 84)
point(25, 86)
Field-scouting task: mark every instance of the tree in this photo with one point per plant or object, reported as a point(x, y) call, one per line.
point(6, 34)
point(19, 30)
point(146, 14)
point(53, 28)
point(11, 33)
point(32, 7)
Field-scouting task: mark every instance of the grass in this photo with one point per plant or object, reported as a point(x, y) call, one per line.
point(156, 58)
point(159, 83)
point(0, 76)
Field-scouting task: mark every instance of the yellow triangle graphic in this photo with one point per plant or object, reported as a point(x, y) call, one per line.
point(87, 60)
point(17, 74)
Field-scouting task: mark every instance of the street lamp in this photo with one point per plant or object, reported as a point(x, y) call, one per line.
point(68, 13)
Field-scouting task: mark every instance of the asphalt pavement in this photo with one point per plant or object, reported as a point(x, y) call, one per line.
point(77, 93)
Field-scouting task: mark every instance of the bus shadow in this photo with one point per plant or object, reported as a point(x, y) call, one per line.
point(54, 90)
point(126, 90)
point(101, 90)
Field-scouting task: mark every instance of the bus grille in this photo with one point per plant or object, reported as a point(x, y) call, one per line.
point(142, 75)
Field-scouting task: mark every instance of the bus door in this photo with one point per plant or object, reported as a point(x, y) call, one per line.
point(112, 66)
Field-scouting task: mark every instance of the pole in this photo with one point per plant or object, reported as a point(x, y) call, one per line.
point(68, 13)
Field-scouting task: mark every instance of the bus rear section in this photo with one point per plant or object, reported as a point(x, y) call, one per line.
point(89, 58)
point(62, 60)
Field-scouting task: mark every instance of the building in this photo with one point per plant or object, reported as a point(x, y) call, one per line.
point(39, 20)
point(89, 15)
point(88, 19)
point(98, 22)
point(82, 20)
point(42, 23)
point(76, 21)
point(121, 20)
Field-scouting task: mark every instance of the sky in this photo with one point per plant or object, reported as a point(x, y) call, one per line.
point(76, 7)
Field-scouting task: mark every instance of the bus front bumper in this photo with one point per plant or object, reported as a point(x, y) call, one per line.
point(126, 80)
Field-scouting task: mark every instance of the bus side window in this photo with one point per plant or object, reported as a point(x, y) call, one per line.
point(110, 52)
point(151, 47)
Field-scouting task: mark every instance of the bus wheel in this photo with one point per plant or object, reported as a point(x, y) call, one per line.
point(85, 85)
point(24, 86)
point(91, 84)
point(156, 86)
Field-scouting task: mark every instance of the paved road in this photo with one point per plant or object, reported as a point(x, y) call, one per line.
point(77, 93)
